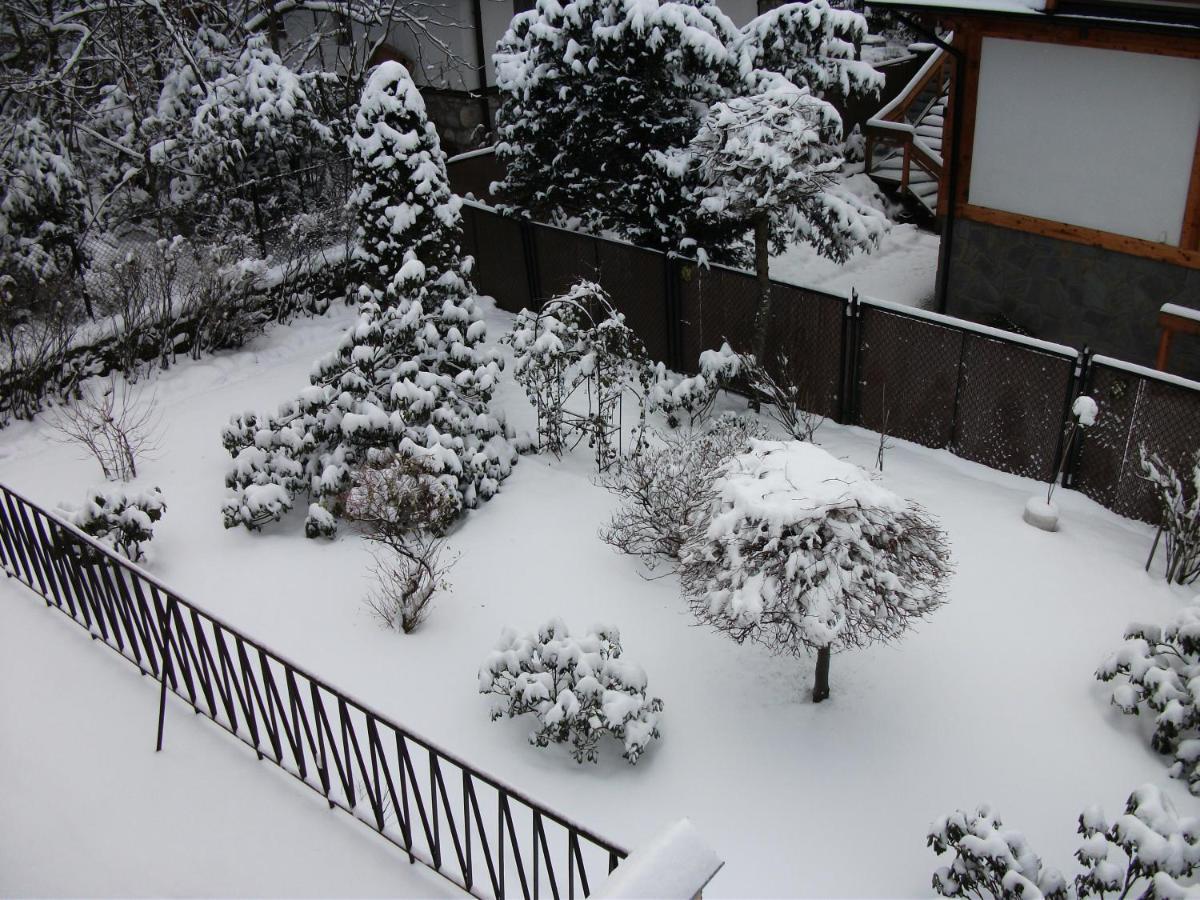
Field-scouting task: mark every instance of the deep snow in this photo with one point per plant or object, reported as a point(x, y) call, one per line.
point(992, 699)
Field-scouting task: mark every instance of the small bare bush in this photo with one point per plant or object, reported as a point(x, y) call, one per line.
point(781, 398)
point(404, 509)
point(666, 491)
point(1179, 507)
point(408, 572)
point(114, 422)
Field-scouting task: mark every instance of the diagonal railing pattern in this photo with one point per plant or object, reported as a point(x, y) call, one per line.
point(476, 831)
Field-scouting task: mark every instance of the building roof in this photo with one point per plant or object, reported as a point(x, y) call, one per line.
point(1178, 13)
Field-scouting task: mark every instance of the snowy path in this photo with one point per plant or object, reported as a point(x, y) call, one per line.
point(992, 700)
point(90, 810)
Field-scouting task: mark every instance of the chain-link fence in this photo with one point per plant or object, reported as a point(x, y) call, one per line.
point(1138, 407)
point(989, 396)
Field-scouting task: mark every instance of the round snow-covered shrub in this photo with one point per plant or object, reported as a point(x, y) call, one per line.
point(578, 689)
point(666, 491)
point(806, 552)
point(1156, 669)
point(1148, 852)
point(120, 516)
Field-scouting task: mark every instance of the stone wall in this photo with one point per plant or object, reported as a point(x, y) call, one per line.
point(1071, 293)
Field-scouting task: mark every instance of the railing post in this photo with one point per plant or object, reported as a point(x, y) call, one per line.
point(1083, 373)
point(166, 669)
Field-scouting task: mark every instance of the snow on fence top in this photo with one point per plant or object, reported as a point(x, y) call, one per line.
point(975, 327)
point(1183, 312)
point(471, 154)
point(1146, 372)
point(1024, 7)
point(675, 865)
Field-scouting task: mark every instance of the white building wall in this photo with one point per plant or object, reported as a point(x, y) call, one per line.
point(1102, 139)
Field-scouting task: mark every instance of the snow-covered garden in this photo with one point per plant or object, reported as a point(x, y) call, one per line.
point(993, 699)
point(627, 590)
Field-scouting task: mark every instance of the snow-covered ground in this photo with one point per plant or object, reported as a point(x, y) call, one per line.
point(91, 810)
point(992, 699)
point(902, 269)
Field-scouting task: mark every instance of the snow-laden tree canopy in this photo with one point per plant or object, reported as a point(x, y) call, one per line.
point(600, 95)
point(776, 154)
point(806, 552)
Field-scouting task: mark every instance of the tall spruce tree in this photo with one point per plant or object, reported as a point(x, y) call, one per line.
point(409, 377)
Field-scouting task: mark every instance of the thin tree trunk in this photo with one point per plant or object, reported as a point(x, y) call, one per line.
point(821, 680)
point(762, 240)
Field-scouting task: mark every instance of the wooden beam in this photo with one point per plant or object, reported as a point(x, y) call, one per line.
point(972, 49)
point(1078, 234)
point(1189, 238)
point(1080, 34)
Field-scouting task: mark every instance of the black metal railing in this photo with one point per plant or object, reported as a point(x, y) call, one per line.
point(479, 833)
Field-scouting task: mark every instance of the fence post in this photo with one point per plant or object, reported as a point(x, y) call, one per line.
point(529, 250)
point(673, 308)
point(850, 317)
point(1083, 373)
point(166, 670)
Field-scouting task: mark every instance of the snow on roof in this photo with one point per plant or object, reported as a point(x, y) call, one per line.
point(675, 865)
point(1022, 7)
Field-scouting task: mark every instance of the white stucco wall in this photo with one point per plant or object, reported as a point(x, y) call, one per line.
point(1102, 139)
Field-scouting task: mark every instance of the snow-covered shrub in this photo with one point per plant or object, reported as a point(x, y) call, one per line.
point(990, 860)
point(675, 395)
point(122, 517)
point(1149, 852)
point(666, 491)
point(1179, 509)
point(579, 689)
point(578, 345)
point(410, 377)
point(806, 552)
point(115, 422)
point(1156, 669)
point(591, 91)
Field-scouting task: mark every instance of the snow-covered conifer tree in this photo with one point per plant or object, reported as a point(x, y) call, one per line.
point(805, 552)
point(591, 91)
point(410, 376)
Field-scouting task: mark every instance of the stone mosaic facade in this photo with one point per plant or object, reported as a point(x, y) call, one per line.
point(1071, 293)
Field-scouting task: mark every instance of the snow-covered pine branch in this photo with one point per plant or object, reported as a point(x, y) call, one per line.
point(812, 45)
point(805, 552)
point(579, 689)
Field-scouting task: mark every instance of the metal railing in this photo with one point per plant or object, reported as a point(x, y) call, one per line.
point(476, 831)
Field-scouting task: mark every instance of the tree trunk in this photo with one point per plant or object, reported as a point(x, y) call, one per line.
point(821, 680)
point(762, 241)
